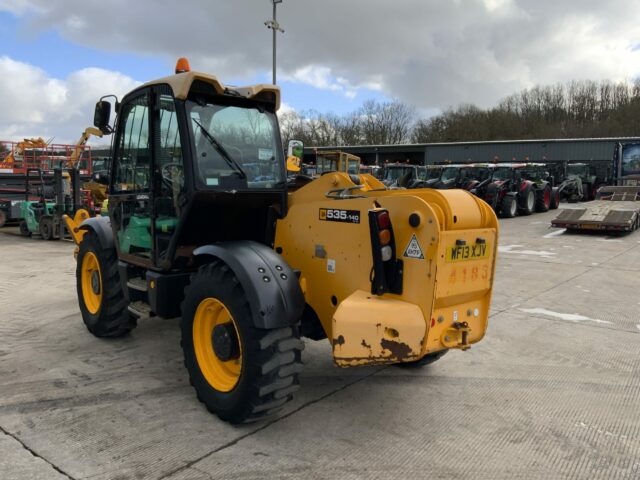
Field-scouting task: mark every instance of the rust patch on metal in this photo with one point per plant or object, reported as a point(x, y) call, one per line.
point(338, 342)
point(398, 350)
point(365, 344)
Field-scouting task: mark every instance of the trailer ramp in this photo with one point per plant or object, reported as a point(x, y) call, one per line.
point(616, 209)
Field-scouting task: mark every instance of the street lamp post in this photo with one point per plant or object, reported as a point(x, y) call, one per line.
point(275, 26)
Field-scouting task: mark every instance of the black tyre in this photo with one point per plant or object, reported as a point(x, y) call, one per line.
point(527, 200)
point(555, 198)
point(24, 229)
point(586, 192)
point(102, 303)
point(3, 218)
point(508, 207)
point(543, 199)
point(428, 359)
point(46, 228)
point(240, 372)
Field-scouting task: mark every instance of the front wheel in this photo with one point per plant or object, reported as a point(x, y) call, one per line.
point(527, 200)
point(508, 207)
point(543, 199)
point(46, 228)
point(24, 229)
point(102, 303)
point(555, 198)
point(240, 372)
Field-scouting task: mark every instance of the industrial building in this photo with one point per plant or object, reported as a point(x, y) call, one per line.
point(572, 150)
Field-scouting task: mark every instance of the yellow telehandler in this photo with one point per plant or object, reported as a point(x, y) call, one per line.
point(204, 225)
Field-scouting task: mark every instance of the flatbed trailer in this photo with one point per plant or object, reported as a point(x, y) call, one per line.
point(616, 208)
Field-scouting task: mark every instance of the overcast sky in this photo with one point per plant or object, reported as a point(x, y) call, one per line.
point(58, 57)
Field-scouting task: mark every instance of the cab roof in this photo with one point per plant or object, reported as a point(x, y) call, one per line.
point(181, 83)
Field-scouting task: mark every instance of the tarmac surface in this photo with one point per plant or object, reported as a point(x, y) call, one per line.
point(553, 391)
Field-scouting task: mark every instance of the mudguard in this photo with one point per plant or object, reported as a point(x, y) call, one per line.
point(272, 287)
point(102, 228)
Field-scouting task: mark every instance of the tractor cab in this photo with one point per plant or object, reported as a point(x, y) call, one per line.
point(337, 161)
point(192, 157)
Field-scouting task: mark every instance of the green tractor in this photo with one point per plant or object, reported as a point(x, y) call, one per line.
point(580, 183)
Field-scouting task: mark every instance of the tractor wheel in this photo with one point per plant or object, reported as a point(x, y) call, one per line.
point(555, 198)
point(100, 295)
point(24, 229)
point(508, 207)
point(543, 199)
point(527, 201)
point(3, 218)
point(46, 229)
point(428, 359)
point(240, 372)
point(586, 192)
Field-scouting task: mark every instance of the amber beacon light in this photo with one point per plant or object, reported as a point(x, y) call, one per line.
point(182, 65)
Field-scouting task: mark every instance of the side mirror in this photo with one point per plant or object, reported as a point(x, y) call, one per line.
point(295, 149)
point(101, 177)
point(102, 116)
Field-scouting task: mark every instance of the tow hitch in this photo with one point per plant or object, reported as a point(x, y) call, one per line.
point(456, 336)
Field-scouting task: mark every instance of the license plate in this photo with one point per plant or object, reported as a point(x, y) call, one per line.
point(459, 253)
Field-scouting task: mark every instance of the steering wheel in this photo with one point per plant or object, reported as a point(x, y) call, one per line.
point(172, 173)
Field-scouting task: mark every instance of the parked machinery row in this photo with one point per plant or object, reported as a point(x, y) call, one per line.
point(510, 188)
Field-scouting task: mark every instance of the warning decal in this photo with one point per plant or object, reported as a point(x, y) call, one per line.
point(413, 250)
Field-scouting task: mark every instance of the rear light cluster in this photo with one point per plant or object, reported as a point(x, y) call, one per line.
point(386, 275)
point(384, 235)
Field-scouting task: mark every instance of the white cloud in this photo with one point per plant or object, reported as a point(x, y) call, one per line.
point(321, 78)
point(37, 105)
point(428, 53)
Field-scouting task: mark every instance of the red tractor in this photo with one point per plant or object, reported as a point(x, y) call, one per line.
point(520, 188)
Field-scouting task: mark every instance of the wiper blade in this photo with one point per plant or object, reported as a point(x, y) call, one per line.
point(218, 146)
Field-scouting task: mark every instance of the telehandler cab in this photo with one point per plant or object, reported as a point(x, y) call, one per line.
point(203, 225)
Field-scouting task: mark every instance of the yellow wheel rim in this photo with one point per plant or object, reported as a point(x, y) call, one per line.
point(91, 282)
point(221, 375)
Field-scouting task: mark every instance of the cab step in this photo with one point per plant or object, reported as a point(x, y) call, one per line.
point(140, 309)
point(137, 283)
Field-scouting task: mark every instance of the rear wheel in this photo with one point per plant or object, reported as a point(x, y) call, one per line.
point(240, 372)
point(24, 229)
point(509, 207)
point(543, 199)
point(428, 359)
point(102, 303)
point(3, 218)
point(46, 228)
point(586, 192)
point(527, 200)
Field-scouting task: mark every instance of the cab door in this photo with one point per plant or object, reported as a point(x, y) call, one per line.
point(130, 199)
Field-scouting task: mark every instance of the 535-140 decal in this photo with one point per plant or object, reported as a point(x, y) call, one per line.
point(338, 215)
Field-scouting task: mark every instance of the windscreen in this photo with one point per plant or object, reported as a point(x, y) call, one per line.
point(576, 169)
point(630, 159)
point(395, 173)
point(476, 173)
point(449, 173)
point(433, 173)
point(502, 173)
point(236, 142)
point(327, 163)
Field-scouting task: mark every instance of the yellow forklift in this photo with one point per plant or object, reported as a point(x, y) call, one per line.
point(204, 225)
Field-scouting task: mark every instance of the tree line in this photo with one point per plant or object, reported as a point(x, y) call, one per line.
point(578, 109)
